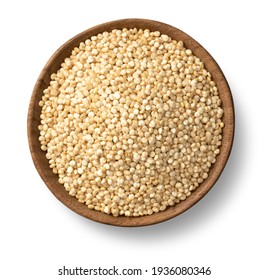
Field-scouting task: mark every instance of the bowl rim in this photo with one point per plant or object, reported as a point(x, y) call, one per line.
point(53, 65)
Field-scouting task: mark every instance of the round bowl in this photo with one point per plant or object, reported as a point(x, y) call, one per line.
point(42, 164)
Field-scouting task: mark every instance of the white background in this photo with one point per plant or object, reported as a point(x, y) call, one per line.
point(227, 230)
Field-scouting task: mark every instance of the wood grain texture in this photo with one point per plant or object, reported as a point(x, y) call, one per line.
point(51, 180)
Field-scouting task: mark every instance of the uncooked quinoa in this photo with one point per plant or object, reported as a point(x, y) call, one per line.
point(131, 122)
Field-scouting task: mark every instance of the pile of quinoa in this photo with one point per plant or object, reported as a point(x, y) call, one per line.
point(131, 122)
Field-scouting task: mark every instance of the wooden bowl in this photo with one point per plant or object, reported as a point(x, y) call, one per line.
point(51, 180)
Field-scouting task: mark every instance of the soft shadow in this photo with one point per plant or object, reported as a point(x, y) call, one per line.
point(201, 214)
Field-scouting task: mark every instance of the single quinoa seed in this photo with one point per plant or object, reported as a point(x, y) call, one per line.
point(131, 122)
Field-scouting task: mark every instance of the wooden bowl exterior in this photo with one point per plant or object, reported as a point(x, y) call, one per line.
point(51, 180)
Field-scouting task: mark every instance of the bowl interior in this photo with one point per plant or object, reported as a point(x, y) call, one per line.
point(51, 180)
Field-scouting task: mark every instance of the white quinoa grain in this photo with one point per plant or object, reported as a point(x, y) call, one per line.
point(131, 122)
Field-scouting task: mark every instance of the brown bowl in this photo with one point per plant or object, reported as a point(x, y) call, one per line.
point(42, 164)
